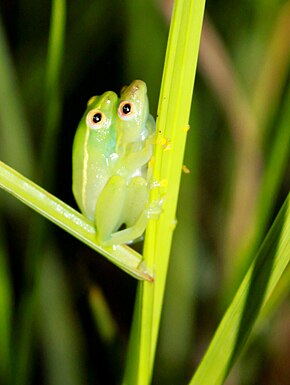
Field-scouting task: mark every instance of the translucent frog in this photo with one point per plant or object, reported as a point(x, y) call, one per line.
point(111, 179)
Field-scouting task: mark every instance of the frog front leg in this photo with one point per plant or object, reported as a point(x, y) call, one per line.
point(138, 156)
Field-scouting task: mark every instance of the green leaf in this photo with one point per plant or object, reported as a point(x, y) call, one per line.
point(6, 301)
point(253, 294)
point(70, 220)
point(172, 126)
point(61, 335)
point(15, 146)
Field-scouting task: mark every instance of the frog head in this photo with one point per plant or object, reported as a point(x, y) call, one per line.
point(132, 115)
point(99, 117)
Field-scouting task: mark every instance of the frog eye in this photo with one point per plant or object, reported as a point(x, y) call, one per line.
point(96, 119)
point(126, 110)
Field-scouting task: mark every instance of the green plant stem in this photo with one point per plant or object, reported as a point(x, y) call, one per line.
point(6, 302)
point(274, 71)
point(16, 147)
point(52, 102)
point(53, 93)
point(275, 167)
point(252, 295)
point(172, 126)
point(70, 220)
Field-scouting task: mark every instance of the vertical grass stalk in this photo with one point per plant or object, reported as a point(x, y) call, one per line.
point(172, 126)
point(52, 105)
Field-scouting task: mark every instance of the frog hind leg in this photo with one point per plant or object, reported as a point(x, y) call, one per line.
point(136, 198)
point(136, 213)
point(109, 208)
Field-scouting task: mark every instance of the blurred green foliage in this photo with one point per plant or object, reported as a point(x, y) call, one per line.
point(238, 155)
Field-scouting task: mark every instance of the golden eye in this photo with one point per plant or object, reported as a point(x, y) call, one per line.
point(96, 119)
point(126, 109)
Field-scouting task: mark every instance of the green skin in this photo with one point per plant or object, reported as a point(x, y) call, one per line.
point(110, 159)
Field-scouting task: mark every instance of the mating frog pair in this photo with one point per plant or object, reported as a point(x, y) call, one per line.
point(111, 179)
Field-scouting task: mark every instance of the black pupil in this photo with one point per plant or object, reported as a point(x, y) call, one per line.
point(97, 117)
point(126, 108)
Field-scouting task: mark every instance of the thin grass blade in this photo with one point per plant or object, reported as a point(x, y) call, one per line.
point(70, 220)
point(16, 147)
point(6, 301)
point(253, 294)
point(172, 126)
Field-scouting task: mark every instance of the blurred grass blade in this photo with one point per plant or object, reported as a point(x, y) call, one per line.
point(253, 294)
point(15, 145)
point(103, 317)
point(172, 126)
point(51, 99)
point(274, 70)
point(269, 89)
point(60, 333)
point(219, 70)
point(55, 51)
point(70, 220)
point(275, 168)
point(5, 313)
point(53, 94)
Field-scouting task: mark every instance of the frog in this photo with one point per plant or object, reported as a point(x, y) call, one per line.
point(93, 151)
point(111, 177)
